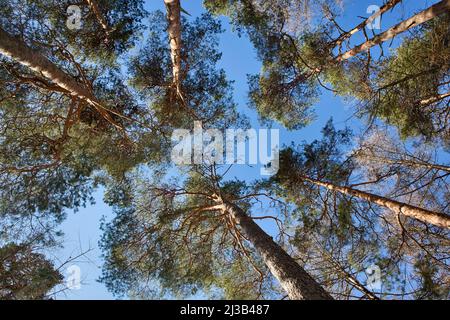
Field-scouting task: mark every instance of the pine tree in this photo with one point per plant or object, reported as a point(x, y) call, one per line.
point(348, 233)
point(25, 274)
point(158, 237)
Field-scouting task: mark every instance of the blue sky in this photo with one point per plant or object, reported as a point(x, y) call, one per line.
point(81, 228)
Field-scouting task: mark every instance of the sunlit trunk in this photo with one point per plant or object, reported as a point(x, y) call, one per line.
point(389, 5)
point(424, 215)
point(424, 16)
point(173, 16)
point(17, 50)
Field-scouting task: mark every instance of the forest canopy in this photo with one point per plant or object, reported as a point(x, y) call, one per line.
point(94, 94)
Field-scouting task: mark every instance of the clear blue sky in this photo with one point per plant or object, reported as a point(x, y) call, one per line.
point(82, 228)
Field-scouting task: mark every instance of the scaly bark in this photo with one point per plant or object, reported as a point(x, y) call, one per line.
point(173, 16)
point(389, 5)
point(436, 218)
point(422, 17)
point(17, 50)
point(439, 97)
point(297, 283)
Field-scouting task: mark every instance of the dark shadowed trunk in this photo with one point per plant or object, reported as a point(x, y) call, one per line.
point(297, 283)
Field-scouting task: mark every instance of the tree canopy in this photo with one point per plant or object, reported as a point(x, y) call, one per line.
point(91, 94)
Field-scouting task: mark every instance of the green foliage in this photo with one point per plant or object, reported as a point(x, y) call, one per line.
point(287, 85)
point(321, 159)
point(430, 279)
point(217, 7)
point(329, 232)
point(207, 94)
point(165, 241)
point(25, 274)
point(404, 88)
point(417, 71)
point(43, 24)
point(49, 154)
point(286, 88)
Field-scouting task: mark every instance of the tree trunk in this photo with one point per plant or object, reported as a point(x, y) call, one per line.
point(409, 163)
point(99, 16)
point(173, 16)
point(437, 98)
point(436, 218)
point(389, 5)
point(428, 14)
point(17, 50)
point(297, 283)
